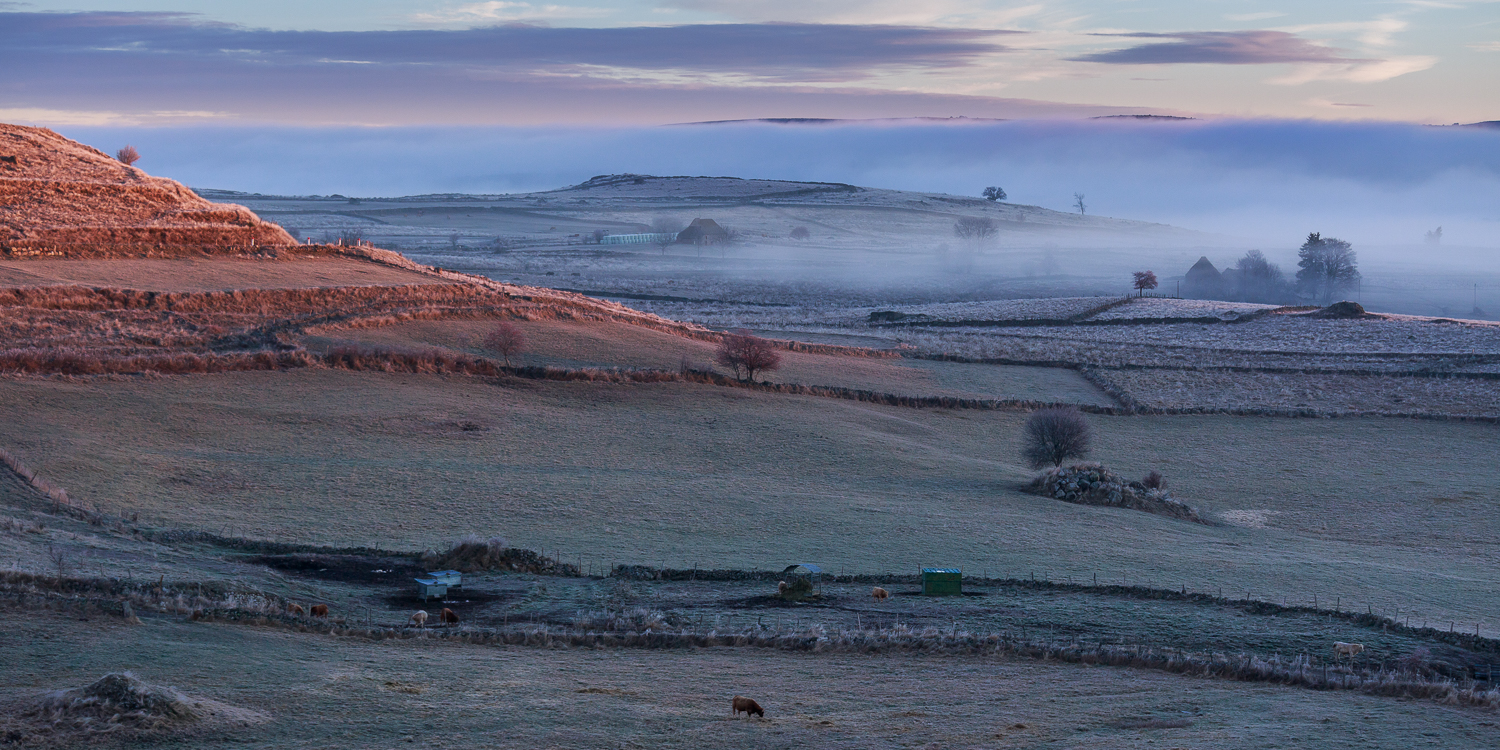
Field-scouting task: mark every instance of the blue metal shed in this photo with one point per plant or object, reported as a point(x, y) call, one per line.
point(451, 578)
point(429, 588)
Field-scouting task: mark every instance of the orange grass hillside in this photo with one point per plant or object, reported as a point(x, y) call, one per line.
point(62, 198)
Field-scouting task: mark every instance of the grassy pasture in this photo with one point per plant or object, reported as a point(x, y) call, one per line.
point(321, 692)
point(1363, 509)
point(572, 344)
point(207, 274)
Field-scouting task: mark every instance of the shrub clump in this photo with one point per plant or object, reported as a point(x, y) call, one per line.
point(1093, 484)
point(474, 553)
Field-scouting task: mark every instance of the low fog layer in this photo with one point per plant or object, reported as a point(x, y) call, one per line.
point(1268, 182)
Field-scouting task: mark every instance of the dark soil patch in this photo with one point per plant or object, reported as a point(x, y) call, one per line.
point(343, 568)
point(458, 600)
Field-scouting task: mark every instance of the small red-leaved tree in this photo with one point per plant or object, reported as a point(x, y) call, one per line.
point(1144, 280)
point(742, 351)
point(505, 340)
point(1054, 435)
point(128, 155)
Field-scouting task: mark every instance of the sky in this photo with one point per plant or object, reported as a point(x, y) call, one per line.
point(648, 62)
point(1308, 115)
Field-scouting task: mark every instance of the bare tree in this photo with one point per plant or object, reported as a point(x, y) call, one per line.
point(974, 228)
point(1257, 279)
point(1078, 203)
point(1435, 237)
point(1327, 266)
point(994, 193)
point(59, 558)
point(128, 155)
point(1144, 280)
point(741, 350)
point(662, 227)
point(1054, 435)
point(506, 339)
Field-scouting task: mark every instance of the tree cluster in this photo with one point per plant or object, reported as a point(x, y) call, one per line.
point(975, 228)
point(742, 351)
point(1326, 267)
point(1256, 279)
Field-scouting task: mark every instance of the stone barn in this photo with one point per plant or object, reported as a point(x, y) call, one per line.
point(703, 232)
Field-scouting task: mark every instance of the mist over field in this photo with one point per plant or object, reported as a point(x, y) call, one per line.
point(1261, 182)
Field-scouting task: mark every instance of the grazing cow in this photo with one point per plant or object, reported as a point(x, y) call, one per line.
point(448, 617)
point(741, 703)
point(419, 618)
point(781, 588)
point(296, 609)
point(880, 594)
point(1347, 649)
point(320, 610)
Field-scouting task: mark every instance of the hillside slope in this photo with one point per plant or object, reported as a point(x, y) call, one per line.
point(61, 198)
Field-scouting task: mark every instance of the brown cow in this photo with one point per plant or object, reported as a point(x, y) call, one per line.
point(741, 703)
point(781, 588)
point(296, 609)
point(880, 594)
point(448, 617)
point(320, 610)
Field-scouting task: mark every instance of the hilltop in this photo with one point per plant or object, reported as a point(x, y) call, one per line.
point(63, 198)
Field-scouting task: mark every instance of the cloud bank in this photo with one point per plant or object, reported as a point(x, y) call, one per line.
point(1219, 47)
point(1265, 180)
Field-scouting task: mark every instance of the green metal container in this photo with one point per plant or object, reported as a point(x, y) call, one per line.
point(942, 582)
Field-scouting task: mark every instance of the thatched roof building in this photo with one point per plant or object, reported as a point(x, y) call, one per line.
point(703, 232)
point(1203, 281)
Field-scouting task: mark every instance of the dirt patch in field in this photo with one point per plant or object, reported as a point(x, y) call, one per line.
point(343, 568)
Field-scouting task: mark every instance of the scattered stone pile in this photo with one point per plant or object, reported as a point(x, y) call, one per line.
point(115, 704)
point(1093, 484)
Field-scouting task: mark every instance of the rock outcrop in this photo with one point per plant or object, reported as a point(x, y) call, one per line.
point(60, 198)
point(1092, 484)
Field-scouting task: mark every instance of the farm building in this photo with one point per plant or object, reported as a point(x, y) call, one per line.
point(647, 238)
point(942, 581)
point(431, 588)
point(1203, 281)
point(803, 580)
point(703, 232)
point(435, 585)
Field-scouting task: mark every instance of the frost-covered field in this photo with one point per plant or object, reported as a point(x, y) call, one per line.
point(1330, 393)
point(1155, 307)
point(1303, 335)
